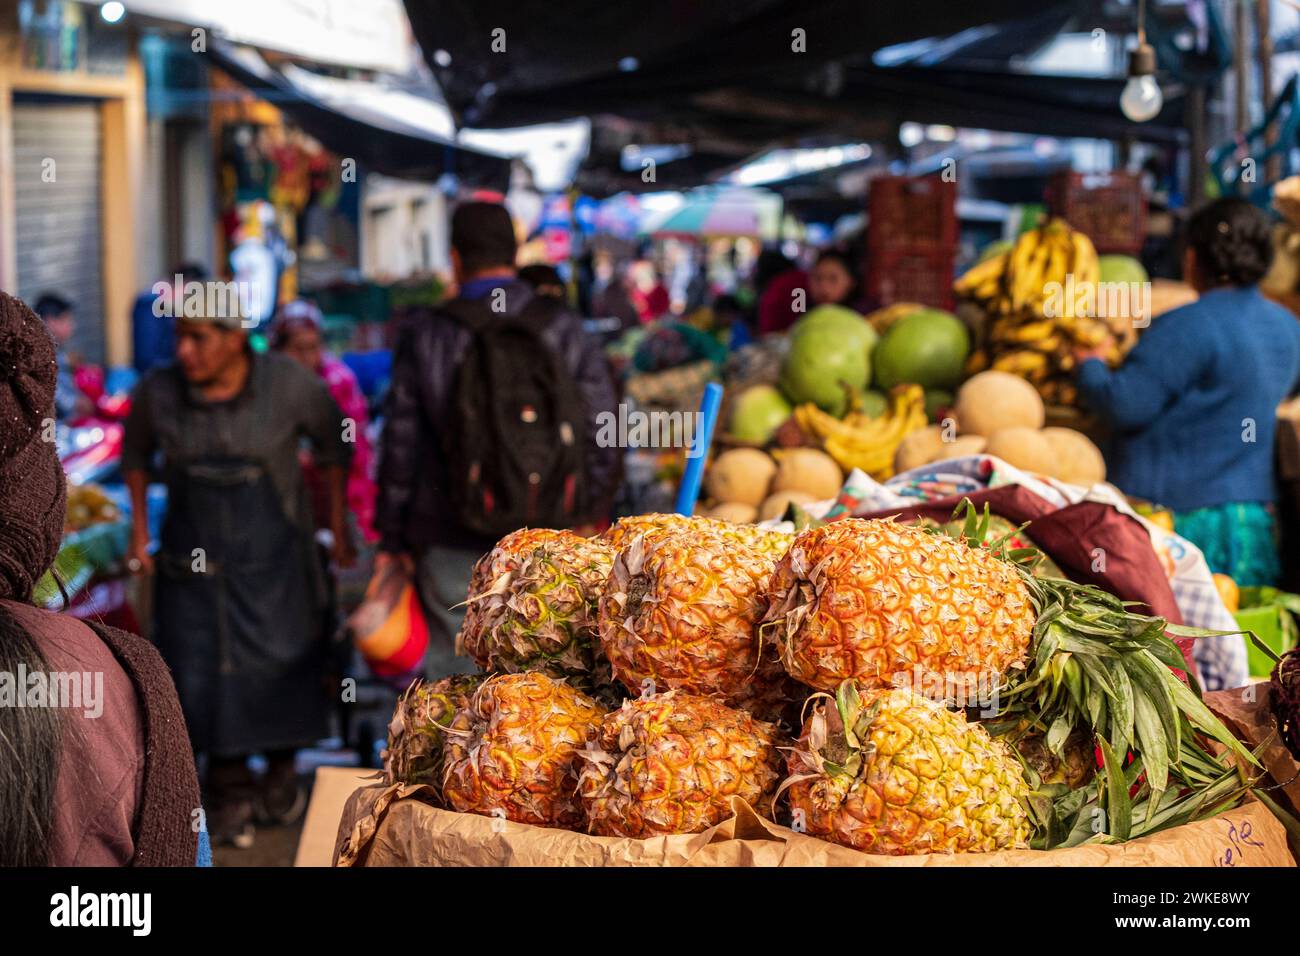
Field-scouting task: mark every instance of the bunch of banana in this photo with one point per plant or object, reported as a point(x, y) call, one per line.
point(860, 441)
point(1036, 297)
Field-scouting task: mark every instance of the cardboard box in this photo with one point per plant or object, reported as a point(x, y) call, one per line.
point(329, 796)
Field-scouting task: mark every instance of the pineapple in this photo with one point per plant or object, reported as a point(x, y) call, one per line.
point(893, 773)
point(1073, 768)
point(1076, 668)
point(768, 541)
point(532, 603)
point(881, 602)
point(417, 730)
point(620, 534)
point(681, 611)
point(513, 751)
point(671, 762)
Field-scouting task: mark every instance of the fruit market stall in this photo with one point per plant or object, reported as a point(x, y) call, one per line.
point(858, 691)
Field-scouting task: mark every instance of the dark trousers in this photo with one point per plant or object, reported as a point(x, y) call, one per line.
point(232, 786)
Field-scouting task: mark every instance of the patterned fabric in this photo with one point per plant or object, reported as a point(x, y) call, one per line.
point(347, 394)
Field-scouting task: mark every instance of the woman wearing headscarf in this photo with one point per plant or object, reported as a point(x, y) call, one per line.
point(107, 779)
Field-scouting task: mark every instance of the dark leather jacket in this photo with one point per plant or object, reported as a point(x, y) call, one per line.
point(413, 511)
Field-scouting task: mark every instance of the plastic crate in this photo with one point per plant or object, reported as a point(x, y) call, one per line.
point(1108, 208)
point(912, 275)
point(911, 213)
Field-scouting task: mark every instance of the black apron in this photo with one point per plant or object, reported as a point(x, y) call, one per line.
point(237, 610)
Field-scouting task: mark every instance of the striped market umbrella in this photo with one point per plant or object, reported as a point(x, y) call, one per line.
point(719, 212)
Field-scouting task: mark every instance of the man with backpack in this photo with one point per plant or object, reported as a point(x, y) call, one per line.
point(490, 422)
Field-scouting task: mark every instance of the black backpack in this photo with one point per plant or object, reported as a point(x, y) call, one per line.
point(512, 439)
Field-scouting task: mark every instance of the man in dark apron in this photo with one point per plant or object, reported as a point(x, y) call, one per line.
point(238, 589)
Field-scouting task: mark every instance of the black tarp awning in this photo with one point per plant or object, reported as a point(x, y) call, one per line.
point(724, 77)
point(635, 55)
point(379, 143)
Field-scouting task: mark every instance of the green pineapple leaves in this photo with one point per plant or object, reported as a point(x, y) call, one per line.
point(1097, 666)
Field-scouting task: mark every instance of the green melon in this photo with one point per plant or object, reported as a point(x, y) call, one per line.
point(759, 411)
point(874, 403)
point(1121, 269)
point(928, 348)
point(830, 348)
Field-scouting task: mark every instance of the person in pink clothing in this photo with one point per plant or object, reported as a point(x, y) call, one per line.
point(297, 333)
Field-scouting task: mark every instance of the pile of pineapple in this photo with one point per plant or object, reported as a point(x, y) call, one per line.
point(885, 686)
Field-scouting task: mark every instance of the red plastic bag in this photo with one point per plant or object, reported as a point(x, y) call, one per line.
point(389, 627)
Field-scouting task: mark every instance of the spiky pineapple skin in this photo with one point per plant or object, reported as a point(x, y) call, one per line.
point(513, 751)
point(681, 611)
point(930, 782)
point(767, 541)
point(671, 763)
point(532, 603)
point(414, 754)
point(881, 602)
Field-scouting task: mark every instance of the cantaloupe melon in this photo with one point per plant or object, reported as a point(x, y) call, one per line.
point(807, 469)
point(918, 448)
point(1026, 448)
point(736, 512)
point(992, 401)
point(960, 447)
point(741, 474)
point(1077, 460)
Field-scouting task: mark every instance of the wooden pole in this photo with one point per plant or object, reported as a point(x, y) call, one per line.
point(1264, 41)
point(1241, 64)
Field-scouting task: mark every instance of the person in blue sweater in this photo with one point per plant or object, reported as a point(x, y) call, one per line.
point(1193, 407)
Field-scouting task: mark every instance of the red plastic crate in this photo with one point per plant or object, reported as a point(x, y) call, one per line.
point(1108, 208)
point(913, 213)
point(912, 275)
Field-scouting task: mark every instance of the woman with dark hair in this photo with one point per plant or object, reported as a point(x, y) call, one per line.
point(833, 281)
point(1194, 405)
point(95, 765)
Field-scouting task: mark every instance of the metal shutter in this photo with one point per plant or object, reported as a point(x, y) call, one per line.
point(58, 230)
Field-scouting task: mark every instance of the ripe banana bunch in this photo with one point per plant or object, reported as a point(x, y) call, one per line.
point(860, 441)
point(983, 281)
point(1036, 298)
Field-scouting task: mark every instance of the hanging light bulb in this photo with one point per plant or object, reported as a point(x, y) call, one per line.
point(1141, 99)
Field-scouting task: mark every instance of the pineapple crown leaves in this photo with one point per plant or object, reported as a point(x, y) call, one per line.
point(1122, 800)
point(836, 736)
point(975, 533)
point(1098, 665)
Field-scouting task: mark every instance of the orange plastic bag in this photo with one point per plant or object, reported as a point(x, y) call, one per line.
point(389, 627)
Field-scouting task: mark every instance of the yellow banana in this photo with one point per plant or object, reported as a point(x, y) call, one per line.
point(1033, 331)
point(1084, 262)
point(981, 274)
point(1025, 363)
